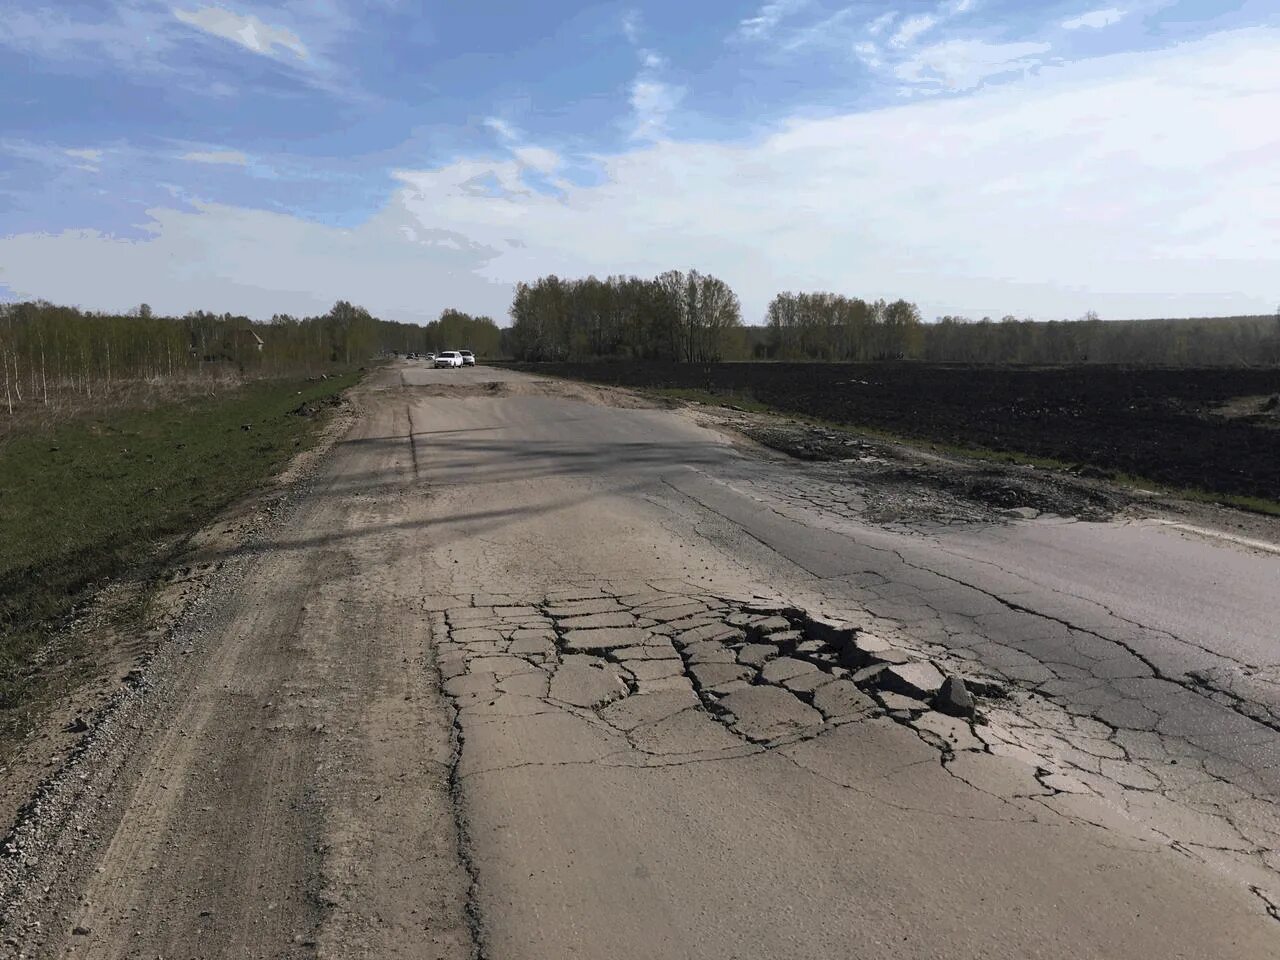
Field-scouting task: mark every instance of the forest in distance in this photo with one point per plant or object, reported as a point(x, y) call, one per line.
point(49, 351)
point(692, 317)
point(51, 354)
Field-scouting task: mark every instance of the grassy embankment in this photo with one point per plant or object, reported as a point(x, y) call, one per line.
point(111, 495)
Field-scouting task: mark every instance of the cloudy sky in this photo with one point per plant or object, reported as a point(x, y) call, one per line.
point(1034, 157)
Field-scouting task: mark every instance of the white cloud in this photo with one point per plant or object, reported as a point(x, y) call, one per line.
point(230, 157)
point(832, 31)
point(761, 25)
point(965, 64)
point(260, 263)
point(1136, 184)
point(842, 31)
point(1095, 20)
point(652, 98)
point(652, 101)
point(89, 159)
point(881, 23)
point(246, 30)
point(151, 39)
point(503, 129)
point(538, 158)
point(125, 35)
point(911, 28)
point(531, 156)
point(868, 53)
point(53, 156)
point(631, 26)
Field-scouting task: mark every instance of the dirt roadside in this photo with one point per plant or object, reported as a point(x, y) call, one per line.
point(92, 686)
point(246, 750)
point(914, 483)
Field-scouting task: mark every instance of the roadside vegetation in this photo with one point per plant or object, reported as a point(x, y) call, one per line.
point(112, 495)
point(56, 361)
point(122, 434)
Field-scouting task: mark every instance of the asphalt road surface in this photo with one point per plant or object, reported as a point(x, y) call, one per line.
point(533, 671)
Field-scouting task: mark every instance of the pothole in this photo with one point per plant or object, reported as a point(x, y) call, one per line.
point(770, 674)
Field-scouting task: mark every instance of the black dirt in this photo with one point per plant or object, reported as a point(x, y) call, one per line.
point(1153, 423)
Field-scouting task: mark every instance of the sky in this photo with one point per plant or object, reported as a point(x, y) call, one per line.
point(978, 157)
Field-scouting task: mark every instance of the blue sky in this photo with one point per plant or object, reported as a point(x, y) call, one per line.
point(977, 156)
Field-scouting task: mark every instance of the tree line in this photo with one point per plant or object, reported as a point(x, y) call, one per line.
point(49, 352)
point(1204, 341)
point(691, 317)
point(828, 326)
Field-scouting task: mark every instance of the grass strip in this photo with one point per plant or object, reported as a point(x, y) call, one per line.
point(88, 501)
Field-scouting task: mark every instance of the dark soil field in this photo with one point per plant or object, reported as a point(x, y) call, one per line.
point(1212, 430)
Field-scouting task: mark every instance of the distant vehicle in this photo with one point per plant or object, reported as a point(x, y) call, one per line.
point(411, 356)
point(428, 355)
point(468, 358)
point(449, 358)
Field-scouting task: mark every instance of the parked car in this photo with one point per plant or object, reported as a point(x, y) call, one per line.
point(428, 356)
point(448, 358)
point(468, 358)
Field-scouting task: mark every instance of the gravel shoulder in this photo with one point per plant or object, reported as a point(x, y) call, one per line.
point(254, 781)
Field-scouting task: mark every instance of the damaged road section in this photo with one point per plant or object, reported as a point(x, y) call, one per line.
point(625, 748)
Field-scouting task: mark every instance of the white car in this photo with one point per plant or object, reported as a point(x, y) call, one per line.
point(468, 358)
point(448, 358)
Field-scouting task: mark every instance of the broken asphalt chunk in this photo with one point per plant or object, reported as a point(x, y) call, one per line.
point(765, 713)
point(841, 700)
point(954, 698)
point(713, 674)
point(587, 682)
point(764, 626)
point(605, 638)
point(900, 705)
point(835, 633)
point(921, 679)
point(757, 654)
point(784, 668)
point(866, 649)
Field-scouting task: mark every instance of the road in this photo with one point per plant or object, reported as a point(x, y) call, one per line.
point(491, 689)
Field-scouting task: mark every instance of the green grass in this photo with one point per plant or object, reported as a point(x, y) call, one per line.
point(1270, 508)
point(736, 401)
point(91, 500)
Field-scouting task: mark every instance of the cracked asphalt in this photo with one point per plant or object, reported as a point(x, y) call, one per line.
point(539, 670)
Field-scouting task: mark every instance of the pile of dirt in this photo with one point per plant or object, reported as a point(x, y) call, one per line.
point(899, 483)
point(313, 408)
